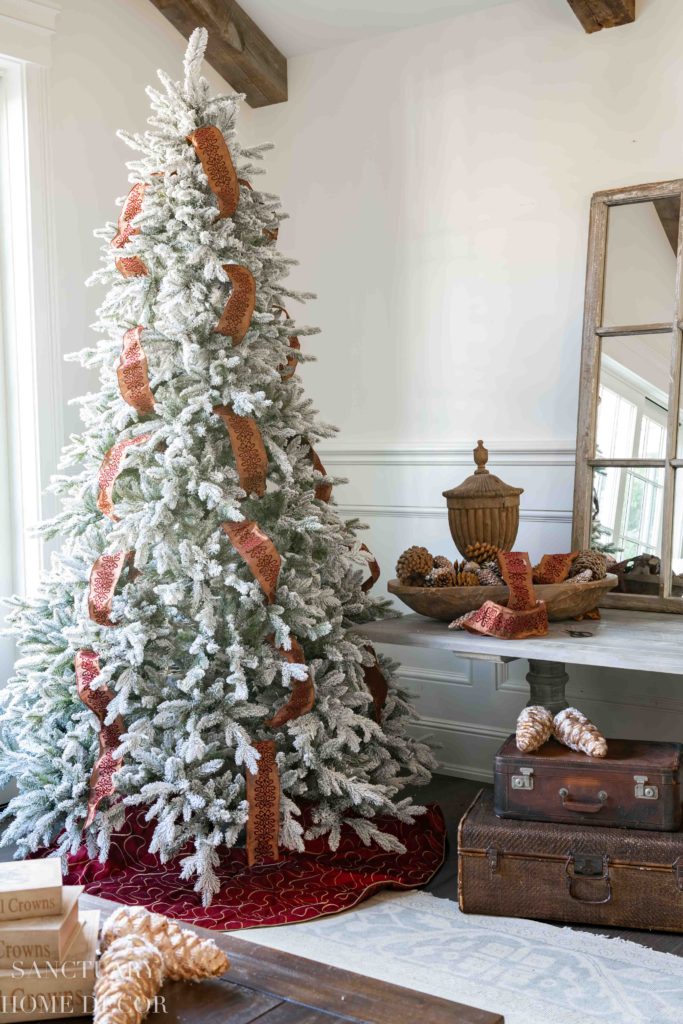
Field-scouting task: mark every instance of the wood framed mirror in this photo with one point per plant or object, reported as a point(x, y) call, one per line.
point(628, 488)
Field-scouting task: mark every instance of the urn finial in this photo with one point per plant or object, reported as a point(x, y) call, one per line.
point(481, 457)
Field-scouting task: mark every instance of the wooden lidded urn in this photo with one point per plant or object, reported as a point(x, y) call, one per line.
point(483, 509)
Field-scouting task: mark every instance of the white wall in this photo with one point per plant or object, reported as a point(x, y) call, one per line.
point(438, 181)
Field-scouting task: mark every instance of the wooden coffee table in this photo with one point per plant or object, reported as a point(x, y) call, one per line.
point(272, 987)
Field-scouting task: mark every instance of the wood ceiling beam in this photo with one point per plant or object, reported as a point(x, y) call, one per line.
point(237, 49)
point(597, 14)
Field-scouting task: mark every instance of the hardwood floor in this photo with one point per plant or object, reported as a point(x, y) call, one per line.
point(454, 797)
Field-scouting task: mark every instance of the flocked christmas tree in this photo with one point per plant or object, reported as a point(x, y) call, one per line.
point(191, 648)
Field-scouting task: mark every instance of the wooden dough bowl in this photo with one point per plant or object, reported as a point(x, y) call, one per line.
point(564, 600)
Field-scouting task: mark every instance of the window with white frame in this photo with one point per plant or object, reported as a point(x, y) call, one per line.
point(632, 422)
point(29, 412)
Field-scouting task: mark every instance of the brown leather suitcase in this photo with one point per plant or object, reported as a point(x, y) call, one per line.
point(638, 785)
point(555, 872)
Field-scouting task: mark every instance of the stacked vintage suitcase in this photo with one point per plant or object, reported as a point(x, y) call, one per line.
point(567, 837)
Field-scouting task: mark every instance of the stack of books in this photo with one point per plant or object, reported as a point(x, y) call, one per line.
point(47, 948)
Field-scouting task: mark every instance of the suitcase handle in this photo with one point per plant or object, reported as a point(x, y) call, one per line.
point(587, 868)
point(583, 806)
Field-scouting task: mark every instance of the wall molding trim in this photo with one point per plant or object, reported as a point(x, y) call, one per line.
point(434, 677)
point(438, 453)
point(27, 28)
point(438, 512)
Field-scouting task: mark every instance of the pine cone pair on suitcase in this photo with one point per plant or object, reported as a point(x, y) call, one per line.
point(536, 725)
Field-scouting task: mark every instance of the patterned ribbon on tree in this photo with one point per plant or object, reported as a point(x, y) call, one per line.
point(554, 568)
point(302, 697)
point(112, 464)
point(214, 156)
point(263, 796)
point(288, 369)
point(259, 552)
point(250, 454)
point(87, 667)
point(376, 683)
point(129, 266)
point(132, 373)
point(323, 490)
point(239, 309)
point(373, 566)
point(104, 577)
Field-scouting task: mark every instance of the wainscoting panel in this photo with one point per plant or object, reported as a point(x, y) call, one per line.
point(466, 709)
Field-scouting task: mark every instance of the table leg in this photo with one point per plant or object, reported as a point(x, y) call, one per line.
point(547, 681)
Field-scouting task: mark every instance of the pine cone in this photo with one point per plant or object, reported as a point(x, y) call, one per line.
point(185, 956)
point(466, 579)
point(593, 560)
point(581, 577)
point(129, 976)
point(459, 623)
point(534, 728)
point(441, 562)
point(492, 566)
point(577, 732)
point(487, 578)
point(444, 577)
point(481, 552)
point(470, 567)
point(413, 565)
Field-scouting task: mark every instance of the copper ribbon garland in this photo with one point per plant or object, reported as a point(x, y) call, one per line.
point(129, 266)
point(323, 490)
point(263, 796)
point(132, 373)
point(376, 683)
point(288, 369)
point(214, 156)
point(87, 667)
point(248, 448)
point(302, 697)
point(110, 469)
point(239, 308)
point(104, 576)
point(258, 551)
point(554, 568)
point(373, 566)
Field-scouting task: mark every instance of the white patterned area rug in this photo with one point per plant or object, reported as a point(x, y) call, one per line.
point(532, 973)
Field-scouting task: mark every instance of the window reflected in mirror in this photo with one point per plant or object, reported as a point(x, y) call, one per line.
point(677, 547)
point(627, 510)
point(640, 271)
point(633, 397)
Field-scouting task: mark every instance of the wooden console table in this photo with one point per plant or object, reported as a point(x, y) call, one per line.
point(638, 641)
point(267, 986)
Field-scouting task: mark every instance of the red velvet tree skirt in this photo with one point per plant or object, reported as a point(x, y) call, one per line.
point(300, 887)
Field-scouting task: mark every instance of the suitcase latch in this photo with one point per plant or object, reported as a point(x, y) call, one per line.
point(645, 790)
point(678, 873)
point(525, 780)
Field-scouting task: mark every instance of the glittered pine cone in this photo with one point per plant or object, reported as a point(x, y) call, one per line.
point(534, 728)
point(441, 562)
point(593, 560)
point(466, 579)
point(480, 552)
point(413, 565)
point(585, 576)
point(443, 577)
point(488, 578)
